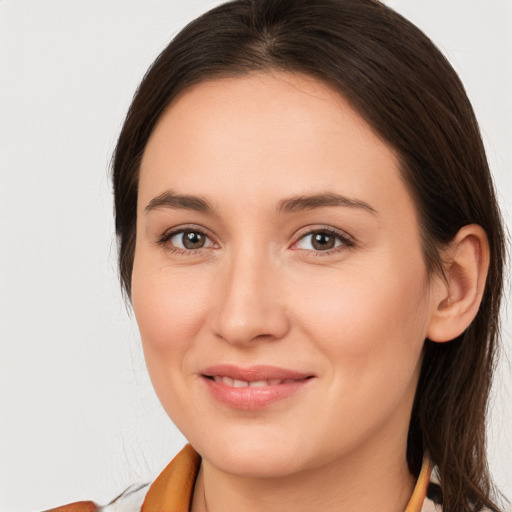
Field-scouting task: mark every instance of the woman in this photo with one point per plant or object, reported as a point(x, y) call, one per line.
point(311, 244)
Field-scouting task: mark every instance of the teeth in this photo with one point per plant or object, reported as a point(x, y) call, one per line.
point(259, 384)
point(224, 380)
point(236, 383)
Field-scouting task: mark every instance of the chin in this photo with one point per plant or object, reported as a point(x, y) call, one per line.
point(252, 455)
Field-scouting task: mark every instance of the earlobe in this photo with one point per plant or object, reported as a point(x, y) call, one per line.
point(457, 295)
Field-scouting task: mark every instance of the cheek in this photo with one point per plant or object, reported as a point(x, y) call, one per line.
point(371, 331)
point(170, 310)
point(370, 319)
point(169, 307)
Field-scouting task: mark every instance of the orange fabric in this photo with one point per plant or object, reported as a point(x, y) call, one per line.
point(80, 506)
point(420, 490)
point(172, 490)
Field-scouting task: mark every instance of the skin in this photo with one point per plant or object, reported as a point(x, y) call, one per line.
point(259, 292)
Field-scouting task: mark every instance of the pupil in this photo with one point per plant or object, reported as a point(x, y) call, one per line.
point(323, 241)
point(193, 240)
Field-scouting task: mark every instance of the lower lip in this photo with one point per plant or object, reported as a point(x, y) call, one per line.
point(253, 398)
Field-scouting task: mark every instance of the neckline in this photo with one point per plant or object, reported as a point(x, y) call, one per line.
point(173, 489)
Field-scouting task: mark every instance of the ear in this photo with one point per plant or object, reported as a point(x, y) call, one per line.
point(458, 294)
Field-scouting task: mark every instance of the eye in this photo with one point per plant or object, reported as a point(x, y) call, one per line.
point(323, 240)
point(185, 240)
point(189, 240)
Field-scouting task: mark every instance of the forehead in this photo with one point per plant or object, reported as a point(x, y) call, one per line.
point(267, 135)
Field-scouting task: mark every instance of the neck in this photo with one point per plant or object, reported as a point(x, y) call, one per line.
point(352, 484)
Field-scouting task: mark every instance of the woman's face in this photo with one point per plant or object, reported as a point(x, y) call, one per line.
point(278, 282)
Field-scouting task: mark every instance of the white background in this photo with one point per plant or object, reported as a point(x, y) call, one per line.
point(78, 417)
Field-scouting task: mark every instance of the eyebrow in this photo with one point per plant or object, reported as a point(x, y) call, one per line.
point(169, 199)
point(311, 202)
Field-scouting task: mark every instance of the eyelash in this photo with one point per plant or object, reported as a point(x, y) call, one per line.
point(346, 241)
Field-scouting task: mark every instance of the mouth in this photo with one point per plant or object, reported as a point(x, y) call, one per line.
point(236, 383)
point(254, 387)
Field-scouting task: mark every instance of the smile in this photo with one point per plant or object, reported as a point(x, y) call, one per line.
point(235, 383)
point(253, 388)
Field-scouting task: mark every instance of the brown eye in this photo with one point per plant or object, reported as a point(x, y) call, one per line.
point(188, 240)
point(193, 240)
point(322, 241)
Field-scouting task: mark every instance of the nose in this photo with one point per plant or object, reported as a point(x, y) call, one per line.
point(250, 304)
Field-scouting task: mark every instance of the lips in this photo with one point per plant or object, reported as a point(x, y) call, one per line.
point(254, 387)
point(236, 383)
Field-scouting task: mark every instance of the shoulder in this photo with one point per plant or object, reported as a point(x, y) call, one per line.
point(129, 501)
point(172, 490)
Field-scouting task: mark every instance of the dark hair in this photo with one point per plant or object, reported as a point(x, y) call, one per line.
point(403, 86)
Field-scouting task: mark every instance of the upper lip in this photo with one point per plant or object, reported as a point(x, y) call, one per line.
point(254, 373)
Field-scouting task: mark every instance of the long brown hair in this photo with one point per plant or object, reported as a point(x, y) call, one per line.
point(396, 78)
